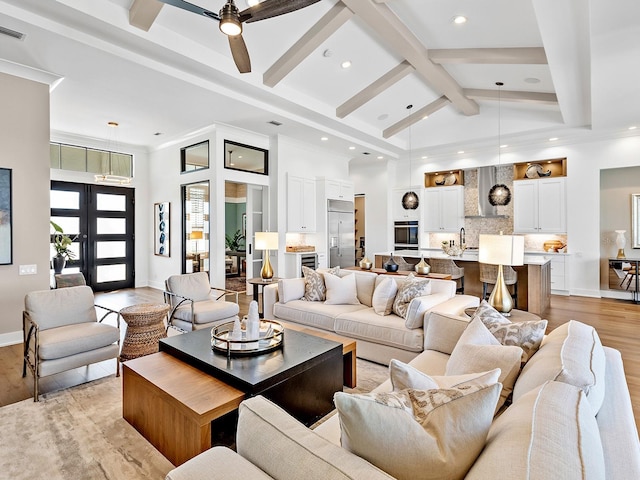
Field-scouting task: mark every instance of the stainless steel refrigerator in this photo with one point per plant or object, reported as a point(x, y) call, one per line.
point(341, 226)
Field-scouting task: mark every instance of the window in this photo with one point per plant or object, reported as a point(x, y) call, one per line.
point(91, 160)
point(245, 158)
point(194, 157)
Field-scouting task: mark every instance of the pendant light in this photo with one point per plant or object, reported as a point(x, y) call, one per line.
point(410, 199)
point(499, 195)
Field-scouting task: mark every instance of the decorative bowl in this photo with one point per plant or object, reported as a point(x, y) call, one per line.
point(393, 267)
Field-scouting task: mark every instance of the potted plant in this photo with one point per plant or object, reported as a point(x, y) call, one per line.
point(234, 242)
point(61, 243)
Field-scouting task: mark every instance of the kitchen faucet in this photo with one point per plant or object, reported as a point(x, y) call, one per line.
point(463, 240)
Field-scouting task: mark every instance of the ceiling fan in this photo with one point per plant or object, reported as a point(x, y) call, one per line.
point(231, 20)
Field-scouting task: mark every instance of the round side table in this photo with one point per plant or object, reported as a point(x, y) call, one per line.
point(145, 327)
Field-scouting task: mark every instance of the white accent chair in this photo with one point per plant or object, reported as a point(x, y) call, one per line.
point(195, 304)
point(61, 331)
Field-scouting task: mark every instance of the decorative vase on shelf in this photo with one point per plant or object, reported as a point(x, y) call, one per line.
point(366, 264)
point(391, 265)
point(422, 268)
point(621, 241)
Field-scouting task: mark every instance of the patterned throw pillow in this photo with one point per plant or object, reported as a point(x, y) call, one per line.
point(314, 287)
point(411, 288)
point(528, 335)
point(418, 434)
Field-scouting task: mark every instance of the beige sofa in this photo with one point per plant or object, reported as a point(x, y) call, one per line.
point(379, 338)
point(553, 429)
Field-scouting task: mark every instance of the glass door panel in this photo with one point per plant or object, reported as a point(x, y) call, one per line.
point(109, 202)
point(195, 227)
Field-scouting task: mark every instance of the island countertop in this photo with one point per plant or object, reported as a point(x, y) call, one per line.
point(538, 258)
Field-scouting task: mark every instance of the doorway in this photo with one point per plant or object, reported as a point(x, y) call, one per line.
point(101, 218)
point(243, 217)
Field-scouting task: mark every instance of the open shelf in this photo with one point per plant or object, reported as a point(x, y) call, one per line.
point(444, 178)
point(557, 167)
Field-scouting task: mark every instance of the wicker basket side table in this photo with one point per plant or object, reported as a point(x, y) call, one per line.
point(145, 327)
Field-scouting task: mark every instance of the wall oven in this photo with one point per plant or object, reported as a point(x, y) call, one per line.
point(405, 235)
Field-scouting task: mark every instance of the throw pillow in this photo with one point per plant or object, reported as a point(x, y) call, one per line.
point(383, 296)
point(290, 289)
point(314, 288)
point(443, 331)
point(479, 351)
point(411, 288)
point(548, 433)
point(572, 353)
point(341, 291)
point(403, 376)
point(528, 334)
point(418, 434)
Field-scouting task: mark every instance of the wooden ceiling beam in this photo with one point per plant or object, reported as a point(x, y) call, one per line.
point(494, 56)
point(397, 36)
point(320, 32)
point(143, 13)
point(416, 117)
point(380, 85)
point(540, 98)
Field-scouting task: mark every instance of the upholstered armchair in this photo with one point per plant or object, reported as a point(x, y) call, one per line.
point(61, 331)
point(195, 304)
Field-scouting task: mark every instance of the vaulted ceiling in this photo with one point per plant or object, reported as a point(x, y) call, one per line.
point(567, 67)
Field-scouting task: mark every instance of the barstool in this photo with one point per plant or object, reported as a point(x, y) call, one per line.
point(489, 274)
point(448, 266)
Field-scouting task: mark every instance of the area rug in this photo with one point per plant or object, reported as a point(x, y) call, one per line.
point(79, 433)
point(236, 284)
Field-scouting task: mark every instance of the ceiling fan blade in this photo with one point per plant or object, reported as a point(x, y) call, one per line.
point(240, 53)
point(190, 7)
point(273, 8)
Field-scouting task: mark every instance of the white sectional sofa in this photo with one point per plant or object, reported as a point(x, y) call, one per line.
point(379, 338)
point(571, 418)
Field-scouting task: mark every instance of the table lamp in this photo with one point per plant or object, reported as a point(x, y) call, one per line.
point(501, 250)
point(266, 241)
point(196, 235)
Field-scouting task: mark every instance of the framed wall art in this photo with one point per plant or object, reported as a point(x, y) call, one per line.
point(6, 236)
point(162, 225)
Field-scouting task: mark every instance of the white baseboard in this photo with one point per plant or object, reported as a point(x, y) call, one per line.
point(579, 292)
point(156, 285)
point(11, 338)
point(618, 294)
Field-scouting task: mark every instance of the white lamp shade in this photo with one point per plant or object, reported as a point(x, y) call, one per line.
point(266, 241)
point(501, 249)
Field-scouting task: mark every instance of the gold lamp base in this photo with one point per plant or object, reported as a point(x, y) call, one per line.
point(621, 253)
point(500, 298)
point(267, 271)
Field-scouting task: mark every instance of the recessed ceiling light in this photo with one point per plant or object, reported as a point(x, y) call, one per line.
point(346, 64)
point(461, 151)
point(239, 156)
point(632, 127)
point(380, 157)
point(532, 80)
point(459, 19)
point(352, 148)
point(553, 139)
point(324, 139)
point(425, 117)
point(504, 146)
point(231, 163)
point(424, 157)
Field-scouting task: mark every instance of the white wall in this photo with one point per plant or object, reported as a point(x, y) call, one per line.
point(24, 148)
point(585, 159)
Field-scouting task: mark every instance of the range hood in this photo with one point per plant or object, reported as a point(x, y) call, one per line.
point(487, 178)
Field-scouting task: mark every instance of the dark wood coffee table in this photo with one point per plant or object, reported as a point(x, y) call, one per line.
point(172, 397)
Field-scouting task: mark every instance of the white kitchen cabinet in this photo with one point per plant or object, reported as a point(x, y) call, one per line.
point(443, 209)
point(539, 206)
point(559, 271)
point(339, 190)
point(301, 204)
point(400, 214)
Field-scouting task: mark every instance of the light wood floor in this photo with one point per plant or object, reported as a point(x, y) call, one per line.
point(617, 323)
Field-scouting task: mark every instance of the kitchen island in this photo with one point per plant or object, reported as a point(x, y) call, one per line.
point(534, 277)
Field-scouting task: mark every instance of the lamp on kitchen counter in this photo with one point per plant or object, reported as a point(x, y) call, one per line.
point(501, 250)
point(499, 193)
point(266, 241)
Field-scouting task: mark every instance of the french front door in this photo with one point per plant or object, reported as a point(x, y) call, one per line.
point(102, 220)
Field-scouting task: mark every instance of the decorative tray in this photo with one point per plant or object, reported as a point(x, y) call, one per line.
point(271, 336)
